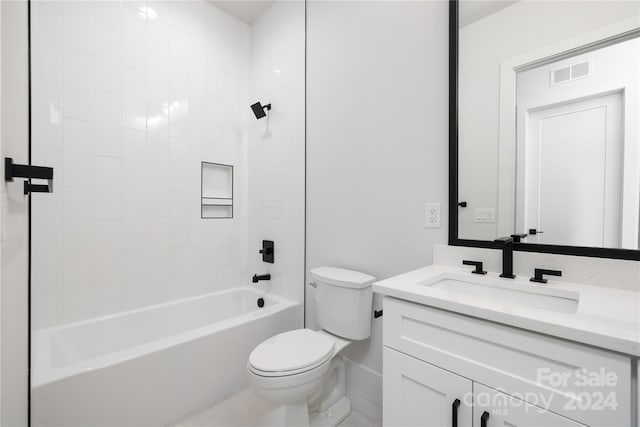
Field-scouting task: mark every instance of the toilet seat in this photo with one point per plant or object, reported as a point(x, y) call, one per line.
point(291, 353)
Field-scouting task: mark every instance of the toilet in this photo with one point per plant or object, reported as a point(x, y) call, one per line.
point(301, 373)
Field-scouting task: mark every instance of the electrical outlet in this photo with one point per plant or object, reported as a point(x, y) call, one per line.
point(484, 215)
point(432, 215)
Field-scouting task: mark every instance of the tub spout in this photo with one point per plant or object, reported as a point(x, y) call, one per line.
point(257, 278)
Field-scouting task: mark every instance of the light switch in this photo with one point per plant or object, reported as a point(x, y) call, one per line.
point(484, 215)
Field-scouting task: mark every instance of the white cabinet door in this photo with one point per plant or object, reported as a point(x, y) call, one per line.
point(419, 394)
point(492, 408)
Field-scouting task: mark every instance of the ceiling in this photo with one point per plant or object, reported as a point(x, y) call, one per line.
point(245, 10)
point(474, 10)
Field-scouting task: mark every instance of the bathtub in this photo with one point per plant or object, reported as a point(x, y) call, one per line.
point(155, 365)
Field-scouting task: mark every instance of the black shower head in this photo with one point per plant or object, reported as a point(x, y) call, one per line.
point(258, 109)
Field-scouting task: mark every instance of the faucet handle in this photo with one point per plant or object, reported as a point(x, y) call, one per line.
point(540, 272)
point(477, 264)
point(501, 241)
point(517, 238)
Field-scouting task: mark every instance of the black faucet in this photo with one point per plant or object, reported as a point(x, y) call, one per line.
point(257, 278)
point(506, 244)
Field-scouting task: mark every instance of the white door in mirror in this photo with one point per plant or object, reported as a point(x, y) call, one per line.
point(574, 163)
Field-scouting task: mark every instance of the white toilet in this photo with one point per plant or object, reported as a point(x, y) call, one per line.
point(301, 372)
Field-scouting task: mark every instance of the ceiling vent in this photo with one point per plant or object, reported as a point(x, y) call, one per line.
point(571, 72)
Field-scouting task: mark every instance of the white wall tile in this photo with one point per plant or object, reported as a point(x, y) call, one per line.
point(108, 268)
point(46, 110)
point(47, 37)
point(108, 123)
point(158, 90)
point(108, 236)
point(108, 47)
point(78, 237)
point(106, 301)
point(134, 162)
point(134, 271)
point(133, 219)
point(78, 153)
point(108, 31)
point(178, 232)
point(78, 306)
point(134, 99)
point(78, 274)
point(121, 110)
point(158, 25)
point(178, 166)
point(78, 84)
point(79, 27)
point(108, 202)
point(78, 204)
point(134, 37)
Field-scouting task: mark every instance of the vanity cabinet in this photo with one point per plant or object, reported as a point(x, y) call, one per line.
point(432, 357)
point(422, 394)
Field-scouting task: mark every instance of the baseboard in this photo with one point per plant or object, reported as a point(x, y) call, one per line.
point(364, 390)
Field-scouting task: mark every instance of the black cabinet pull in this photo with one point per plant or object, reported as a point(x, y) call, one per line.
point(483, 419)
point(454, 412)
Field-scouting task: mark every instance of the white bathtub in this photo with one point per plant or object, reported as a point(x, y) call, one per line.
point(151, 366)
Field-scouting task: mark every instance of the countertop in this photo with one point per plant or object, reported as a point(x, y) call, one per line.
point(607, 318)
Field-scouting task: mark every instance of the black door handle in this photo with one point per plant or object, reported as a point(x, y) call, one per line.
point(454, 412)
point(484, 418)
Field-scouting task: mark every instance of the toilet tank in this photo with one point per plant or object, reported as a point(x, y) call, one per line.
point(343, 301)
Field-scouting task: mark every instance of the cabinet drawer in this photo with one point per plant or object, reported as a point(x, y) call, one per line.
point(535, 368)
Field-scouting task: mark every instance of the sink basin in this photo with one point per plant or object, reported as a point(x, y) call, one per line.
point(512, 293)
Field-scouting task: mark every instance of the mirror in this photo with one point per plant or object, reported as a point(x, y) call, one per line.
point(548, 140)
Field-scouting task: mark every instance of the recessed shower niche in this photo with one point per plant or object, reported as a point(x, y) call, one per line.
point(217, 191)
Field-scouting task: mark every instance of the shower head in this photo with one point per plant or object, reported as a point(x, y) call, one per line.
point(259, 109)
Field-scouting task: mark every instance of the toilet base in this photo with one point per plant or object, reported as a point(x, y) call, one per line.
point(332, 416)
point(289, 415)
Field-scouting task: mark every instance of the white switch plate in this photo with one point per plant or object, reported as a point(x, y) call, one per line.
point(484, 215)
point(432, 215)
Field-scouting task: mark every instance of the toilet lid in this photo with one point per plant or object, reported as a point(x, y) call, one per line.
point(291, 351)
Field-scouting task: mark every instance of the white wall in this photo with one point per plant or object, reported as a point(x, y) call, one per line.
point(276, 147)
point(128, 99)
point(523, 27)
point(13, 292)
point(377, 145)
point(2, 203)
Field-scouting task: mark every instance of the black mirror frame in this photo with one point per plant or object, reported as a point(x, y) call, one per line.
point(454, 240)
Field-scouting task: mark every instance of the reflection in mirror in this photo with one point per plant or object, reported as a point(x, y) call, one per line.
point(548, 106)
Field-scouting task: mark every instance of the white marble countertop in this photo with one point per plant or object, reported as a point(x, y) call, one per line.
point(605, 317)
